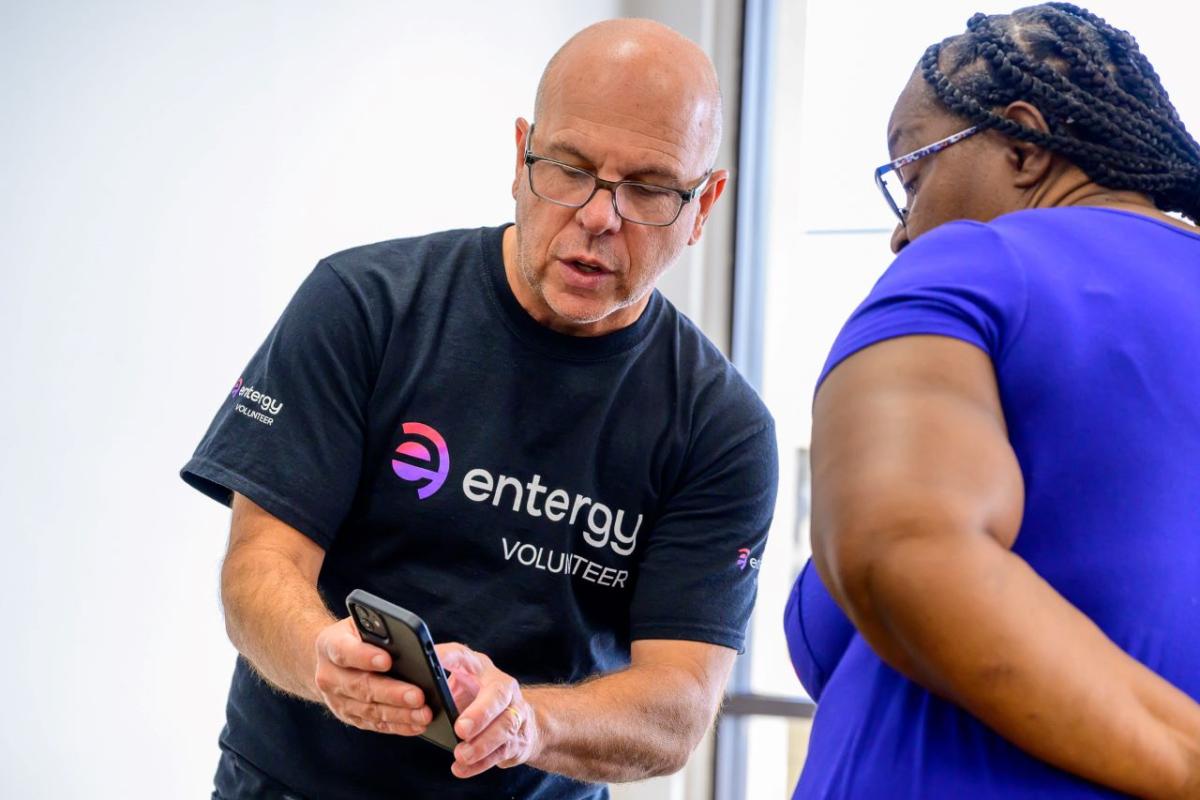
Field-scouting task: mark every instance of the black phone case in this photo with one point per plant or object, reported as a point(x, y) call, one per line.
point(413, 661)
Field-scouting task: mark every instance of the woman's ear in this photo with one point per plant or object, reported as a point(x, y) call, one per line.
point(1030, 163)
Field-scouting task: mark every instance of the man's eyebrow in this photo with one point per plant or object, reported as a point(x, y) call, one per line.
point(652, 174)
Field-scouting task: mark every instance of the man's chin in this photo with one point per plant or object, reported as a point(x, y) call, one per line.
point(581, 314)
point(572, 311)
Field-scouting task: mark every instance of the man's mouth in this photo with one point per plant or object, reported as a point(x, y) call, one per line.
point(586, 264)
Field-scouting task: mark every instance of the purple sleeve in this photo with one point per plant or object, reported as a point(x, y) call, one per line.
point(958, 280)
point(817, 631)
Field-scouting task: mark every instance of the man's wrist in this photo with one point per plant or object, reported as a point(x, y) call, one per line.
point(310, 660)
point(541, 719)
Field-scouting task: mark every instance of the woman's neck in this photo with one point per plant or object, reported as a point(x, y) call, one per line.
point(1092, 194)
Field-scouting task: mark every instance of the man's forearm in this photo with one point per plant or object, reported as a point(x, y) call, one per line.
point(633, 724)
point(973, 622)
point(273, 615)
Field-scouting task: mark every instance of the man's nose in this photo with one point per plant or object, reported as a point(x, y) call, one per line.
point(599, 214)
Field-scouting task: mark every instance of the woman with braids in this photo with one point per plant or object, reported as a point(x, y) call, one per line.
point(1006, 440)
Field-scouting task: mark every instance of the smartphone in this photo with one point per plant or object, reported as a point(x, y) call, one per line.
point(404, 635)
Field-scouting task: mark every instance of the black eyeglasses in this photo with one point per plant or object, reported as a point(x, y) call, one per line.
point(634, 201)
point(896, 191)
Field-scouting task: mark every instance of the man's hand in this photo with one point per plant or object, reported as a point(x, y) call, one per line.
point(498, 727)
point(350, 685)
point(628, 725)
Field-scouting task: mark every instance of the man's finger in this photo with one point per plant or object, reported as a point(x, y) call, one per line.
point(462, 696)
point(370, 688)
point(482, 763)
point(493, 738)
point(398, 729)
point(348, 651)
point(455, 656)
point(357, 722)
point(493, 698)
point(375, 712)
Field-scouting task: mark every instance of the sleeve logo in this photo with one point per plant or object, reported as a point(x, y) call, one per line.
point(257, 406)
point(744, 558)
point(422, 458)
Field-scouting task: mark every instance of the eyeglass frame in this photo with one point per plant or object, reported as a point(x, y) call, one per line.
point(598, 183)
point(916, 155)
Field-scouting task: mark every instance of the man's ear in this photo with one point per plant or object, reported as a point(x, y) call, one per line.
point(712, 190)
point(1030, 162)
point(521, 132)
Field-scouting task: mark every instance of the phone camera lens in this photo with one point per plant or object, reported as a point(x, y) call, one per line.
point(368, 619)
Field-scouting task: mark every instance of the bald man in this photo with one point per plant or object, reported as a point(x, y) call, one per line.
point(510, 433)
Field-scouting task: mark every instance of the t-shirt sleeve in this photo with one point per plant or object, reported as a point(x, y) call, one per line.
point(959, 280)
point(289, 435)
point(699, 574)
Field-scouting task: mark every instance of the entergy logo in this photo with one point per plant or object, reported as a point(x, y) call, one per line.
point(744, 558)
point(267, 409)
point(415, 460)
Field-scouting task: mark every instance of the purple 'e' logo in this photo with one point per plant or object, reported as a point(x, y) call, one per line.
point(743, 557)
point(237, 387)
point(415, 461)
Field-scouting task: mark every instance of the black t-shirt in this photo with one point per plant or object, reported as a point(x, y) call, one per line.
point(544, 499)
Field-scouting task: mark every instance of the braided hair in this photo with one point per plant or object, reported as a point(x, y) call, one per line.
point(1104, 104)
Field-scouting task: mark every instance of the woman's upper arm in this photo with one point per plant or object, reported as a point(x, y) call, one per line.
point(909, 440)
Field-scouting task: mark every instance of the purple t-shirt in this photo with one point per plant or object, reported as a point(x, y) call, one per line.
point(1091, 318)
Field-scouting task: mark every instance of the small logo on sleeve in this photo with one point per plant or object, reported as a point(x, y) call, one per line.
point(744, 558)
point(267, 407)
point(422, 458)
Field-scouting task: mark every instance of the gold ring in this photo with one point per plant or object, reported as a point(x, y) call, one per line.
point(516, 717)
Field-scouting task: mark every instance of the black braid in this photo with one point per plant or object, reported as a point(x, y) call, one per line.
point(1104, 104)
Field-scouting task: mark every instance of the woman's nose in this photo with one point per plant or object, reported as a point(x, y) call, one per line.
point(899, 238)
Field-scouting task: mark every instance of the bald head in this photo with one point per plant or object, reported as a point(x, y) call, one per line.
point(640, 70)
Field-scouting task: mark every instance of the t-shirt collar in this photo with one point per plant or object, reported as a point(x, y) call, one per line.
point(525, 327)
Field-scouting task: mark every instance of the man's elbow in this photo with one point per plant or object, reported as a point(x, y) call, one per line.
point(231, 601)
point(673, 754)
point(659, 754)
point(694, 717)
point(674, 763)
point(675, 717)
